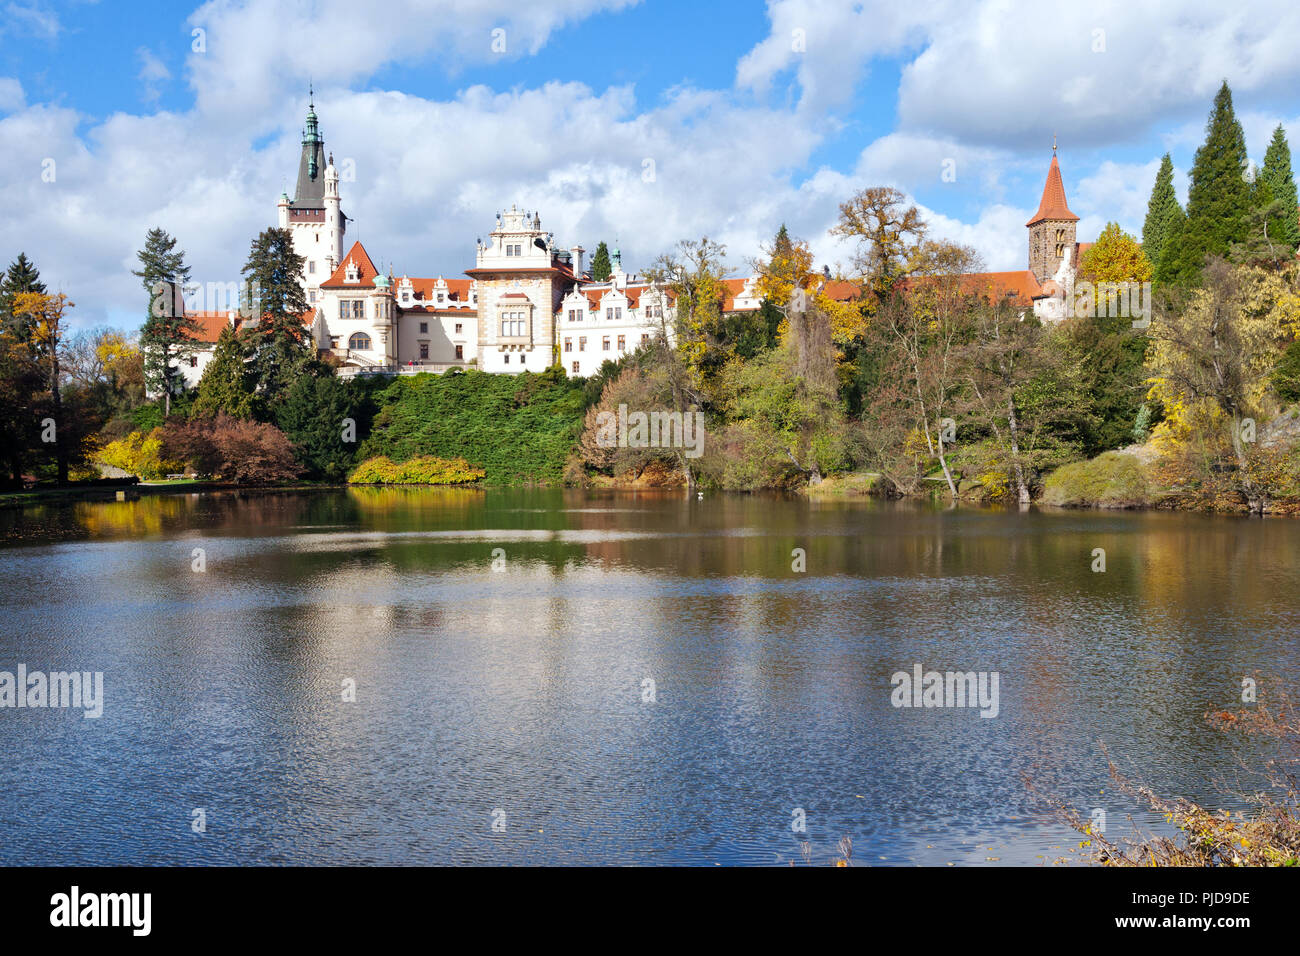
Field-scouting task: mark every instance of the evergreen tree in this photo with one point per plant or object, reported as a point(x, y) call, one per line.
point(1277, 178)
point(166, 337)
point(277, 339)
point(1170, 252)
point(1162, 210)
point(600, 265)
point(782, 247)
point(21, 276)
point(313, 415)
point(226, 385)
point(1219, 198)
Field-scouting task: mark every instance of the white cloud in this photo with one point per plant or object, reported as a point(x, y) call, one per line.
point(30, 19)
point(431, 173)
point(11, 95)
point(153, 72)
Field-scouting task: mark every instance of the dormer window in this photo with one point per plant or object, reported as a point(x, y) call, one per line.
point(353, 274)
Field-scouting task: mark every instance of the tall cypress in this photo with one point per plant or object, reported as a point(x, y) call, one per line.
point(1163, 212)
point(600, 264)
point(1219, 198)
point(1276, 176)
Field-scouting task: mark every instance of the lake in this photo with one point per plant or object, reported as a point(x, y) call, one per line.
point(459, 676)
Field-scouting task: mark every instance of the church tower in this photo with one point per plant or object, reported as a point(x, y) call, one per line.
point(314, 216)
point(1051, 230)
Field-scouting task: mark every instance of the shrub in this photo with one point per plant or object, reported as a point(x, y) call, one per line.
point(245, 452)
point(424, 470)
point(1111, 480)
point(140, 455)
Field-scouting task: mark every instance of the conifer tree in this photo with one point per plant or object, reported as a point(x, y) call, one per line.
point(22, 276)
point(168, 334)
point(277, 339)
point(600, 265)
point(1219, 198)
point(1277, 178)
point(1162, 211)
point(226, 385)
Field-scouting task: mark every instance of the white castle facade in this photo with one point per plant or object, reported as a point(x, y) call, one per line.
point(526, 304)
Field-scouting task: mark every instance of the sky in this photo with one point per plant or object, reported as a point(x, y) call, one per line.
point(637, 123)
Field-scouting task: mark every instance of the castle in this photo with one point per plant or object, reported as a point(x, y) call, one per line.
point(528, 303)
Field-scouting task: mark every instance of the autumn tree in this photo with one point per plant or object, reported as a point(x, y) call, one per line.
point(43, 315)
point(883, 227)
point(1014, 391)
point(1114, 257)
point(1214, 349)
point(928, 324)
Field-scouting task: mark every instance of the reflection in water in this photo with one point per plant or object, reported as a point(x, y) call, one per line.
point(521, 689)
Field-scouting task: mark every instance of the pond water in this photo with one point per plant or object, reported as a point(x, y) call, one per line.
point(643, 679)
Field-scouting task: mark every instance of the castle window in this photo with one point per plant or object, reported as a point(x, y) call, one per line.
point(460, 353)
point(645, 337)
point(359, 340)
point(459, 327)
point(311, 266)
point(424, 350)
point(1060, 251)
point(622, 343)
point(424, 327)
point(506, 358)
point(582, 343)
point(352, 309)
point(575, 368)
point(605, 343)
point(568, 345)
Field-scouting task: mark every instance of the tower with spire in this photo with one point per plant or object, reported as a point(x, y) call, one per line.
point(314, 216)
point(1052, 227)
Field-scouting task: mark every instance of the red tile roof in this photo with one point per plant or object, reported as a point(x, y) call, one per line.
point(365, 267)
point(1052, 205)
point(1020, 285)
point(211, 323)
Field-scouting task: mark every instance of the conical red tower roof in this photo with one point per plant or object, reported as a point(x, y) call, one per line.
point(1052, 205)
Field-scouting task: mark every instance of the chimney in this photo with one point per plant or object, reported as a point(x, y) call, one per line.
point(577, 252)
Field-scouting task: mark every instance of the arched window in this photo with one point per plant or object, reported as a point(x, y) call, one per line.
point(359, 340)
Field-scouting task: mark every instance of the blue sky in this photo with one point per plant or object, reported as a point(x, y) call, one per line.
point(752, 114)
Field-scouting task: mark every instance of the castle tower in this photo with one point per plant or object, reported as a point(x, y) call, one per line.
point(1052, 227)
point(314, 216)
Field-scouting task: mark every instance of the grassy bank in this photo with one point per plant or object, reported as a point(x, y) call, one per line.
point(519, 429)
